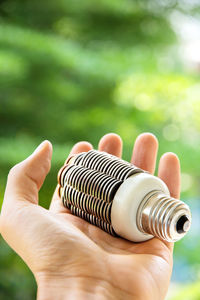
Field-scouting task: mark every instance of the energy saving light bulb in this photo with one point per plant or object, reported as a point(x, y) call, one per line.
point(121, 199)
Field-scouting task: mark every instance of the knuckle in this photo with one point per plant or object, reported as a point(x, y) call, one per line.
point(13, 171)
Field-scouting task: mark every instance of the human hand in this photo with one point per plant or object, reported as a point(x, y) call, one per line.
point(71, 258)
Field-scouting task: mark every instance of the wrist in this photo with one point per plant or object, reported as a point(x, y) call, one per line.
point(77, 288)
point(60, 289)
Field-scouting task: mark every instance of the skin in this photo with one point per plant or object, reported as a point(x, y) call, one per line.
point(72, 259)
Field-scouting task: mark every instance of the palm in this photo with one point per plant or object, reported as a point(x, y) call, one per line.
point(131, 268)
point(65, 243)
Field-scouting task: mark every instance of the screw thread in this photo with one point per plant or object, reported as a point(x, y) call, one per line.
point(164, 217)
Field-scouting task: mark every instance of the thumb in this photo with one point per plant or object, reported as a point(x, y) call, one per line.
point(26, 178)
point(20, 215)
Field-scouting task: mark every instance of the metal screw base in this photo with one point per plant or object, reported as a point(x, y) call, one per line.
point(164, 217)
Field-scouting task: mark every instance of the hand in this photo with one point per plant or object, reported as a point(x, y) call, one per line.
point(72, 259)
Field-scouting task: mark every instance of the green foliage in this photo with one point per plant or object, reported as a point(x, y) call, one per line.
point(16, 279)
point(75, 70)
point(189, 292)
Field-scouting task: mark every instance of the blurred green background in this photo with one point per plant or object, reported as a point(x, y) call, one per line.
point(74, 70)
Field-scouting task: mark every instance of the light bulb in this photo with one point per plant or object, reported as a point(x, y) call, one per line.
point(121, 199)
